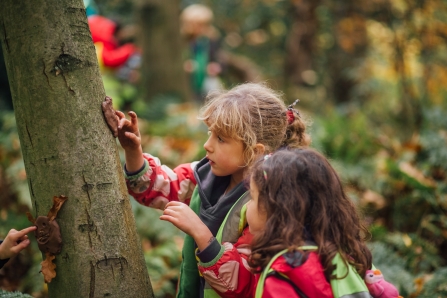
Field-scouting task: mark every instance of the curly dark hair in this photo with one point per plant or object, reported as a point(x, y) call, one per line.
point(304, 200)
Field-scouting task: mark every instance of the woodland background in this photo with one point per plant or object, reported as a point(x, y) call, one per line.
point(370, 75)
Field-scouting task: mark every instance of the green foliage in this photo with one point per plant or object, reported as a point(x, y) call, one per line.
point(420, 255)
point(436, 286)
point(10, 146)
point(162, 244)
point(410, 227)
point(163, 263)
point(433, 141)
point(150, 227)
point(157, 108)
point(122, 93)
point(344, 136)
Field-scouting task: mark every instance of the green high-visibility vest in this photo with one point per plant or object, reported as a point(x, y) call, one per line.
point(229, 231)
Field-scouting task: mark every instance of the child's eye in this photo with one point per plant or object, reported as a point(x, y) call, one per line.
point(209, 132)
point(220, 139)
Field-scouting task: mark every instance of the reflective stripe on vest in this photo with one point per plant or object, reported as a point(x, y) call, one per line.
point(267, 269)
point(230, 230)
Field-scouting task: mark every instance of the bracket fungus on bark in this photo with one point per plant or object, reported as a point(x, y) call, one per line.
point(110, 115)
point(48, 236)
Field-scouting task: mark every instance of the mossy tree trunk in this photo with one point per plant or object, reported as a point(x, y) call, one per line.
point(68, 149)
point(162, 65)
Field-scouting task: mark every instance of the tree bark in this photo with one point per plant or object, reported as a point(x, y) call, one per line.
point(162, 65)
point(68, 149)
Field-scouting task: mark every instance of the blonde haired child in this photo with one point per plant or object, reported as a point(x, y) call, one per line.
point(245, 122)
point(203, 63)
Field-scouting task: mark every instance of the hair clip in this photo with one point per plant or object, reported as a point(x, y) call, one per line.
point(290, 110)
point(267, 156)
point(293, 104)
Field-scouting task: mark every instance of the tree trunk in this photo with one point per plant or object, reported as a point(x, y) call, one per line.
point(300, 45)
point(349, 49)
point(162, 66)
point(68, 149)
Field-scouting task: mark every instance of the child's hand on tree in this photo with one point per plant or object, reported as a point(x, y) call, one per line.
point(14, 242)
point(130, 139)
point(184, 218)
point(128, 132)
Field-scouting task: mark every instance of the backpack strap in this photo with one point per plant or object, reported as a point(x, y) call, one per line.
point(234, 223)
point(347, 282)
point(267, 270)
point(229, 231)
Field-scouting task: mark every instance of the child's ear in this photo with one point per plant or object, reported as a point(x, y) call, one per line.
point(259, 149)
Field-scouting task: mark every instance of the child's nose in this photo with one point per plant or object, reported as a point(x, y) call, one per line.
point(207, 146)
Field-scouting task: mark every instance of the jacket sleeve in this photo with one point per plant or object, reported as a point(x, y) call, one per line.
point(229, 273)
point(155, 184)
point(117, 56)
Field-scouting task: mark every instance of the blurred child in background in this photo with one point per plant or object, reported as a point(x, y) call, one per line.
point(202, 59)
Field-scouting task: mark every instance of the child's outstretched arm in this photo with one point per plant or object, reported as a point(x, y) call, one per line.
point(130, 139)
point(148, 181)
point(15, 242)
point(228, 271)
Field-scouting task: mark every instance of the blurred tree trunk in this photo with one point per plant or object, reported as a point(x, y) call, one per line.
point(162, 66)
point(68, 149)
point(410, 116)
point(349, 49)
point(300, 45)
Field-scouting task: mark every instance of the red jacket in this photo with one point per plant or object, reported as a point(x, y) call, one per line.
point(231, 276)
point(156, 184)
point(103, 31)
point(307, 277)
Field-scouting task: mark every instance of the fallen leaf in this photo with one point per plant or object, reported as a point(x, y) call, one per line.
point(48, 268)
point(57, 204)
point(31, 218)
